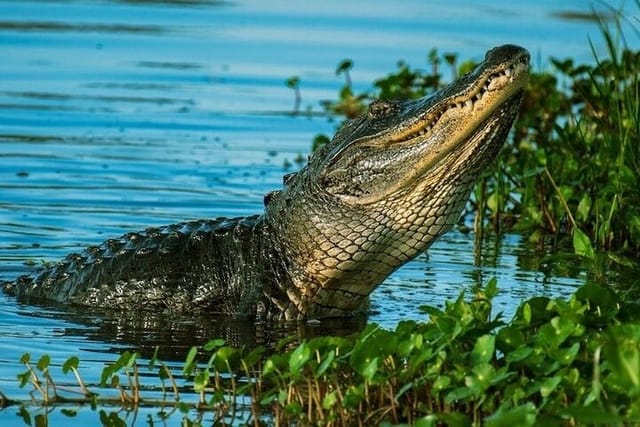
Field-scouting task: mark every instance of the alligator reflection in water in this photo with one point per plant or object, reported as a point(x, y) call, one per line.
point(174, 335)
point(375, 197)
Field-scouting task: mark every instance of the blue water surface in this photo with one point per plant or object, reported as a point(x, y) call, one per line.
point(118, 115)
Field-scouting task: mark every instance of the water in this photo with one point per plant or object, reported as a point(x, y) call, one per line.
point(118, 115)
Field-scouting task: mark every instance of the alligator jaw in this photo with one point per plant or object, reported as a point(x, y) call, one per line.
point(421, 133)
point(472, 98)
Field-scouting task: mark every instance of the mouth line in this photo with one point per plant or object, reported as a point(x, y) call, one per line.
point(513, 72)
point(448, 160)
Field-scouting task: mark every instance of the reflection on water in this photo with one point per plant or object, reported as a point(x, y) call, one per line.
point(174, 335)
point(80, 28)
point(119, 115)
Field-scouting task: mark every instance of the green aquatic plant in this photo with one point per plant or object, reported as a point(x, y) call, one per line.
point(293, 83)
point(589, 156)
point(557, 362)
point(573, 165)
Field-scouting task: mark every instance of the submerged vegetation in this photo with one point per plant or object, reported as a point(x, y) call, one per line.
point(571, 171)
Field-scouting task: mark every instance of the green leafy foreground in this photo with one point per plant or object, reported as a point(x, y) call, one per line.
point(557, 362)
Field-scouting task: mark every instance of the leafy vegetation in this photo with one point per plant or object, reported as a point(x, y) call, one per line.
point(573, 165)
point(557, 362)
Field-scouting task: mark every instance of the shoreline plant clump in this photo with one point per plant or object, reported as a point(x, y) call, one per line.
point(572, 167)
point(557, 362)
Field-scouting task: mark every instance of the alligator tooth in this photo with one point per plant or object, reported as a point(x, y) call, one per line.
point(507, 72)
point(469, 103)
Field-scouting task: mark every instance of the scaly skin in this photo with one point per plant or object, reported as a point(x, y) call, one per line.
point(388, 184)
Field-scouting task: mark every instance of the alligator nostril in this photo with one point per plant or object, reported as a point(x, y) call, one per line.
point(508, 50)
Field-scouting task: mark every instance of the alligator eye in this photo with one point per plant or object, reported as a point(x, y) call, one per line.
point(380, 108)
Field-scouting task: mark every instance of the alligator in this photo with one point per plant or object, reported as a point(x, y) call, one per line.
point(377, 195)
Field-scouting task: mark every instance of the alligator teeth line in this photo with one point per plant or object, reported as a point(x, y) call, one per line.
point(469, 103)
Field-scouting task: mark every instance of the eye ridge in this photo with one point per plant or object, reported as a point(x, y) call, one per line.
point(380, 108)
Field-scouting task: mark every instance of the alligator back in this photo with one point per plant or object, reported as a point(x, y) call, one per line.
point(205, 265)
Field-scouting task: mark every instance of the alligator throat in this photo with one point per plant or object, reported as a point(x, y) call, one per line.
point(388, 184)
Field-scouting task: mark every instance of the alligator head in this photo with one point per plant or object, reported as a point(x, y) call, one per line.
point(387, 185)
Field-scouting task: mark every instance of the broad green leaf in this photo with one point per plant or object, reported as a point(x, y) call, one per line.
point(426, 421)
point(566, 356)
point(519, 354)
point(480, 379)
point(69, 412)
point(294, 409)
point(254, 357)
point(458, 394)
point(330, 399)
point(70, 363)
point(43, 363)
point(582, 244)
point(510, 337)
point(299, 357)
point(354, 395)
point(491, 289)
point(483, 349)
point(189, 365)
point(344, 65)
point(623, 353)
point(441, 383)
point(584, 206)
point(213, 344)
point(292, 82)
point(593, 414)
point(225, 357)
point(454, 419)
point(521, 416)
point(549, 385)
point(200, 380)
point(368, 368)
point(326, 363)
